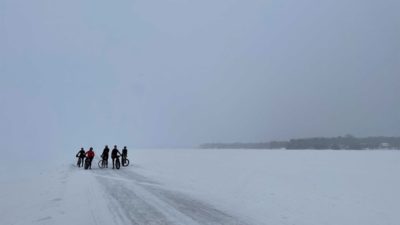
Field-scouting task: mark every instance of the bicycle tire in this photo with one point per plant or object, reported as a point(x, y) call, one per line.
point(125, 162)
point(100, 164)
point(87, 163)
point(117, 164)
point(79, 162)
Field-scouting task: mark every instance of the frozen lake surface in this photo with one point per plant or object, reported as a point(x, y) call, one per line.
point(195, 187)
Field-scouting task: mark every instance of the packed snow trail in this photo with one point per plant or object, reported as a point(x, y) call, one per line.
point(135, 199)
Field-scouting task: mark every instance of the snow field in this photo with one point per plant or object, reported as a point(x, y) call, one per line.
point(287, 186)
point(194, 187)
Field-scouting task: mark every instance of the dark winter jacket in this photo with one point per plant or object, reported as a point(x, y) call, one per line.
point(105, 153)
point(81, 154)
point(115, 153)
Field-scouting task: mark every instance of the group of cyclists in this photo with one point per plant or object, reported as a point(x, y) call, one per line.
point(115, 154)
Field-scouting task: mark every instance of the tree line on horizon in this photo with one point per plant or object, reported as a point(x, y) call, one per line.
point(347, 142)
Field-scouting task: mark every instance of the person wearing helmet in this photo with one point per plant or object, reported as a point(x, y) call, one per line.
point(104, 156)
point(90, 155)
point(80, 155)
point(114, 155)
point(124, 153)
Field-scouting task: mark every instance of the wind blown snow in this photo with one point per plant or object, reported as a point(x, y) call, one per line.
point(193, 187)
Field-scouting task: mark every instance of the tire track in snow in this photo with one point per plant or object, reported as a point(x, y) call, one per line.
point(143, 201)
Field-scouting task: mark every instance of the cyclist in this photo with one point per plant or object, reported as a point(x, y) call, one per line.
point(124, 153)
point(81, 156)
point(104, 156)
point(114, 155)
point(90, 155)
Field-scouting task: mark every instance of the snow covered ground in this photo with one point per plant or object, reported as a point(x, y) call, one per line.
point(193, 187)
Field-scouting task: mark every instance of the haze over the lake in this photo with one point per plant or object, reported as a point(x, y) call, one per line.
point(177, 73)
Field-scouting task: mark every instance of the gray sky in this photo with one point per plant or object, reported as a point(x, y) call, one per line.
point(175, 73)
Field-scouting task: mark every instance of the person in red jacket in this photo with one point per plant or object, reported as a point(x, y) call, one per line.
point(90, 155)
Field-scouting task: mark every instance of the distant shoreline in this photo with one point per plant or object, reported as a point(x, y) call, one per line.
point(347, 142)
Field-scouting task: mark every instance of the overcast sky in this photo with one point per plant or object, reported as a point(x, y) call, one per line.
point(178, 73)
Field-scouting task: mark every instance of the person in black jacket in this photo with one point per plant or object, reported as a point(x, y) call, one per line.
point(80, 155)
point(114, 155)
point(124, 153)
point(104, 156)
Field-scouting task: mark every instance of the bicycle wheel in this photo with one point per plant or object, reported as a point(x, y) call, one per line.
point(101, 164)
point(79, 162)
point(87, 163)
point(117, 164)
point(125, 162)
point(105, 163)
